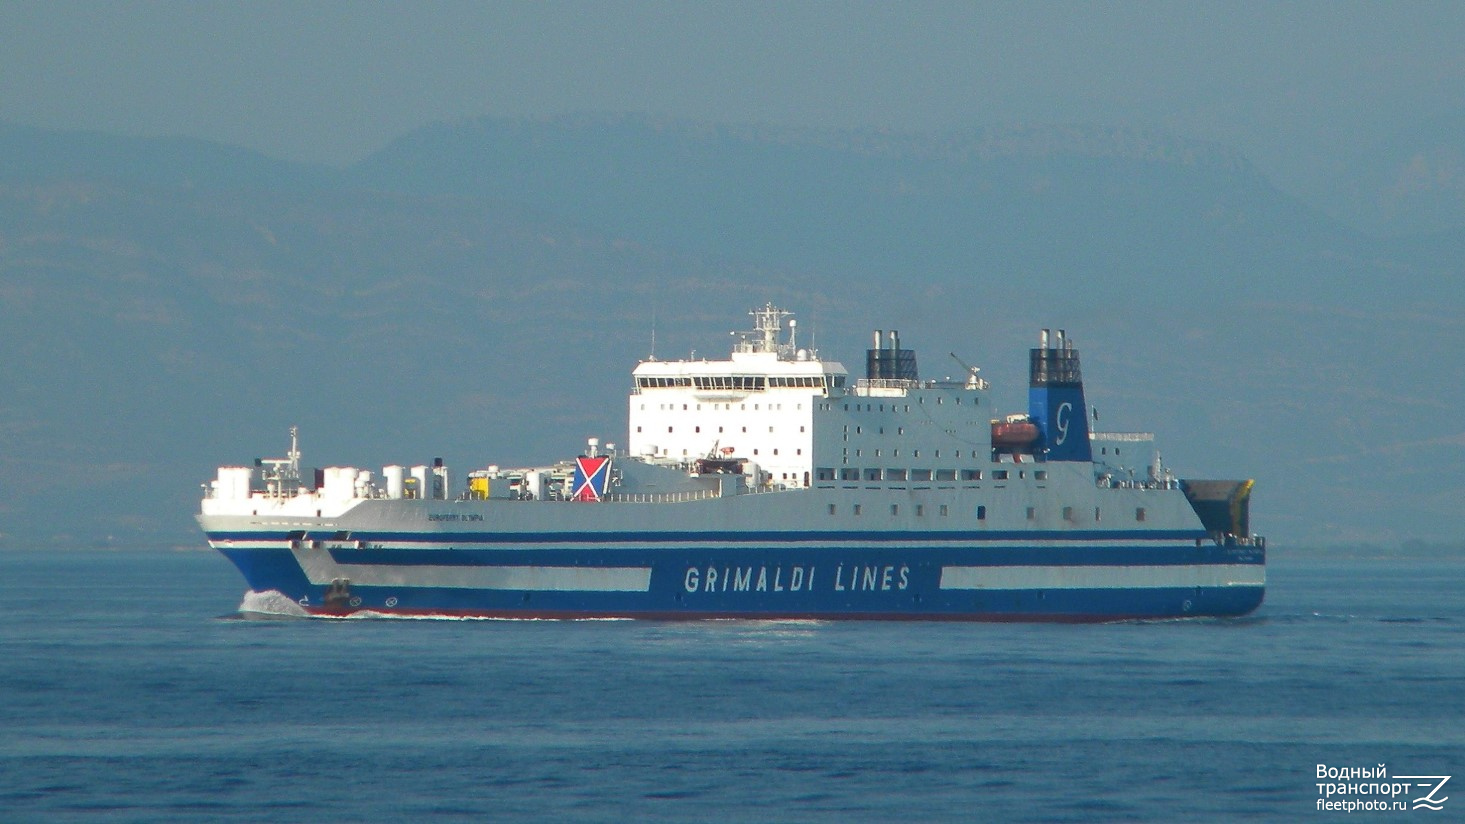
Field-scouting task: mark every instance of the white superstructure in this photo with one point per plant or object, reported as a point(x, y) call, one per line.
point(758, 405)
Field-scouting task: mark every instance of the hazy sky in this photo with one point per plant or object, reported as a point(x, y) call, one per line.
point(1295, 86)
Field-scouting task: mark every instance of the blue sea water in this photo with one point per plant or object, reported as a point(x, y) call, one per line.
point(130, 690)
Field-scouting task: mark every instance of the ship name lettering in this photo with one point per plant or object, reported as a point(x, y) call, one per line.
point(740, 579)
point(454, 516)
point(743, 579)
point(872, 578)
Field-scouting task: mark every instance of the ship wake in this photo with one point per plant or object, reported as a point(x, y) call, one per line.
point(270, 604)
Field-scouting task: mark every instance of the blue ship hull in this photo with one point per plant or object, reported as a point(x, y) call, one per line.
point(997, 581)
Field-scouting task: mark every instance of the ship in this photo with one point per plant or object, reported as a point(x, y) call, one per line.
point(769, 485)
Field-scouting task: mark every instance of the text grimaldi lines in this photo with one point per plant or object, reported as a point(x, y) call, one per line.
point(843, 578)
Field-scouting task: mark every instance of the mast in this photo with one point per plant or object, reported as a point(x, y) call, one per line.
point(767, 324)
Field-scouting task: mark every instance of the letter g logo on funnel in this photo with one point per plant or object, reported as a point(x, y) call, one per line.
point(1060, 420)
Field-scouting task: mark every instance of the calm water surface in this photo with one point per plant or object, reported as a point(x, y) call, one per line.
point(133, 692)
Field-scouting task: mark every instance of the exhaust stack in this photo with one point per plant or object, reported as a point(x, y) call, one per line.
point(1056, 400)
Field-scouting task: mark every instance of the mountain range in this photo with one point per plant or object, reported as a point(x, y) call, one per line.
point(480, 291)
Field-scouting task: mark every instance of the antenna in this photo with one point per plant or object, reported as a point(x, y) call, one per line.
point(295, 452)
point(653, 332)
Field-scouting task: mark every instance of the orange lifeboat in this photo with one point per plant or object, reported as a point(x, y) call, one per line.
point(1013, 434)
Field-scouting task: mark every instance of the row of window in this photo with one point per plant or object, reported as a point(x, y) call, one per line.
point(742, 407)
point(825, 473)
point(665, 451)
point(895, 453)
point(697, 430)
point(943, 510)
point(894, 407)
point(744, 383)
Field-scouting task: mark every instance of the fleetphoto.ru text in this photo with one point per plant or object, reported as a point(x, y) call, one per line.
point(1371, 789)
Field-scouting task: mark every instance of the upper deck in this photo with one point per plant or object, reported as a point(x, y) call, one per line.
point(757, 404)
